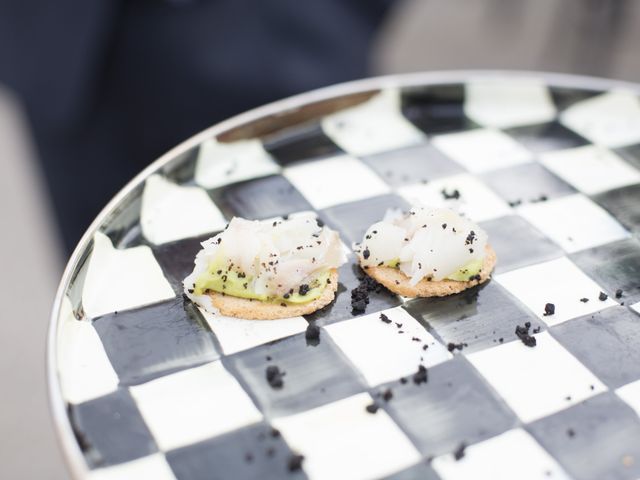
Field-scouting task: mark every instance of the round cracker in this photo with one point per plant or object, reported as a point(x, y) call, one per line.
point(398, 282)
point(257, 310)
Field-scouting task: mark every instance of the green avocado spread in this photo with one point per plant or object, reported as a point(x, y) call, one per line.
point(463, 274)
point(237, 284)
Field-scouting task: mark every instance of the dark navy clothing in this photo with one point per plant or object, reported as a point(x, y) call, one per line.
point(110, 85)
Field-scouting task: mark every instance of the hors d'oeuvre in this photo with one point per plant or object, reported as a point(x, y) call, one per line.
point(428, 252)
point(267, 269)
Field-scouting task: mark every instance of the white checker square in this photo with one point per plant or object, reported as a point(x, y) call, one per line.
point(193, 405)
point(482, 149)
point(630, 393)
point(477, 201)
point(636, 307)
point(122, 279)
point(152, 467)
point(513, 454)
point(171, 212)
point(536, 381)
point(380, 352)
point(335, 180)
point(235, 335)
point(343, 440)
point(84, 369)
point(574, 222)
point(591, 169)
point(505, 103)
point(611, 119)
point(374, 126)
point(559, 282)
point(220, 163)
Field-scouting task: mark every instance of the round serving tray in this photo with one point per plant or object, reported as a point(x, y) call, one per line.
point(143, 384)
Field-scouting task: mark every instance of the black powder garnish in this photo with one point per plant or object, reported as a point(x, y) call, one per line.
point(275, 433)
point(384, 318)
point(515, 203)
point(549, 309)
point(387, 395)
point(458, 453)
point(571, 433)
point(470, 238)
point(295, 462)
point(312, 335)
point(523, 334)
point(274, 377)
point(403, 380)
point(248, 458)
point(366, 253)
point(619, 293)
point(420, 376)
point(584, 300)
point(304, 289)
point(444, 226)
point(454, 195)
point(360, 294)
point(455, 346)
point(415, 339)
point(372, 408)
point(603, 296)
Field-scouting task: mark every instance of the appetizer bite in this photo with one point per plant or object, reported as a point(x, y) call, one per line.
point(267, 269)
point(428, 252)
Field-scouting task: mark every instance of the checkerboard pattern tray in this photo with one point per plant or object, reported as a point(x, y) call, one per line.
point(157, 388)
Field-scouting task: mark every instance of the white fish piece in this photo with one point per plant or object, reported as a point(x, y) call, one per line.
point(428, 242)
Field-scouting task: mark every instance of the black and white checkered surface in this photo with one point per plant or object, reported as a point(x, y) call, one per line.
point(156, 388)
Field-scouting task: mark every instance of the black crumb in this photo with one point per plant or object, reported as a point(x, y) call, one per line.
point(312, 335)
point(571, 433)
point(304, 289)
point(549, 309)
point(584, 300)
point(360, 294)
point(248, 458)
point(274, 377)
point(455, 346)
point(458, 453)
point(420, 376)
point(295, 462)
point(425, 346)
point(403, 380)
point(399, 325)
point(275, 433)
point(366, 253)
point(387, 395)
point(603, 296)
point(523, 334)
point(268, 358)
point(619, 293)
point(454, 195)
point(515, 203)
point(373, 408)
point(501, 340)
point(568, 398)
point(384, 318)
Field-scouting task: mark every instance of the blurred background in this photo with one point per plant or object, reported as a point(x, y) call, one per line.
point(92, 91)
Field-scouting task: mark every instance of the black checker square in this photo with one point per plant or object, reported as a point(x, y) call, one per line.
point(436, 109)
point(110, 430)
point(631, 154)
point(529, 182)
point(454, 406)
point(606, 342)
point(354, 218)
point(477, 318)
point(594, 440)
point(350, 278)
point(418, 163)
point(545, 137)
point(565, 97)
point(149, 342)
point(305, 142)
point(614, 266)
point(177, 259)
point(314, 375)
point(623, 203)
point(260, 198)
point(518, 244)
point(256, 451)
